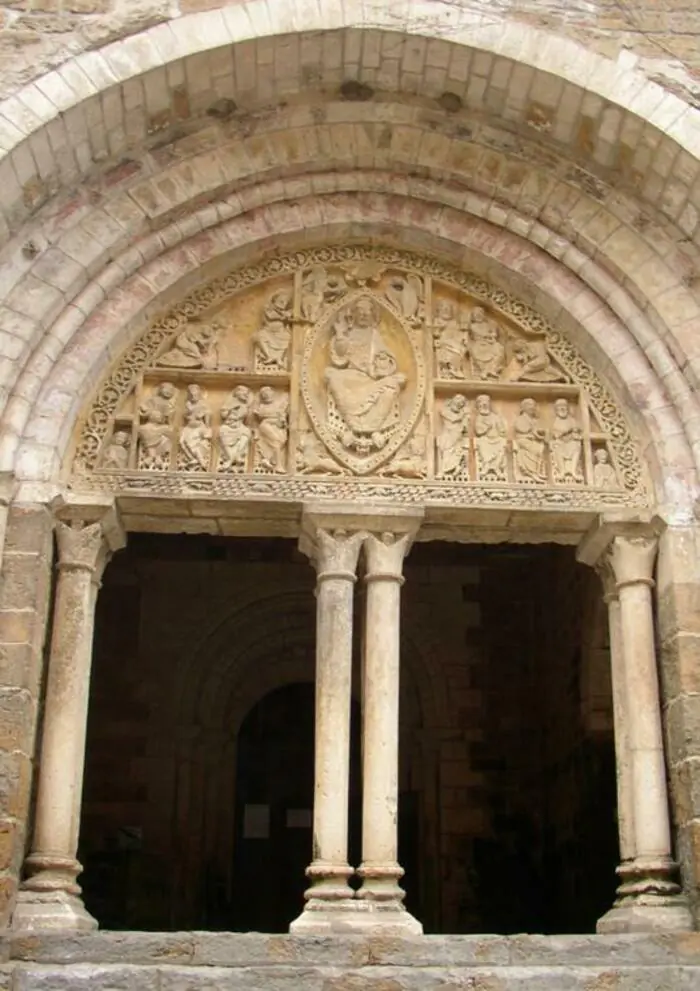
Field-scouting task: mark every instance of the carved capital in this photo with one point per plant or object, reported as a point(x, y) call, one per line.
point(335, 553)
point(632, 559)
point(333, 534)
point(597, 545)
point(80, 547)
point(385, 553)
point(84, 509)
point(603, 568)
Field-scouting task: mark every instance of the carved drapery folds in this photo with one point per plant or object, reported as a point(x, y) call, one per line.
point(370, 370)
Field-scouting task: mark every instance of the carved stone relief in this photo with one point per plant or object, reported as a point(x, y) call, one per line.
point(348, 364)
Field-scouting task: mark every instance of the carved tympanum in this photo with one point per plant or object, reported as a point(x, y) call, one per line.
point(370, 370)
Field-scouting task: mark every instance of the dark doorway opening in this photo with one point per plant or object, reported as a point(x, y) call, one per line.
point(199, 763)
point(274, 808)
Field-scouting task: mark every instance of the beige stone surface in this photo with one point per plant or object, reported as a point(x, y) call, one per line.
point(550, 149)
point(335, 553)
point(50, 895)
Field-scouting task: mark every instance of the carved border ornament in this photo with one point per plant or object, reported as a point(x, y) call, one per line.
point(355, 372)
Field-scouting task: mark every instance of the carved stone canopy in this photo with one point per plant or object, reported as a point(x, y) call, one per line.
point(359, 373)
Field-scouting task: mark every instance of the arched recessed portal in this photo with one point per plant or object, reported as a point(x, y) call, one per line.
point(199, 779)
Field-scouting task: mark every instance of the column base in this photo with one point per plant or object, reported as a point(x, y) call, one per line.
point(649, 899)
point(647, 914)
point(47, 911)
point(383, 899)
point(354, 915)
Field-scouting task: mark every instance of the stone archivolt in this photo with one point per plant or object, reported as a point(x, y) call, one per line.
point(359, 372)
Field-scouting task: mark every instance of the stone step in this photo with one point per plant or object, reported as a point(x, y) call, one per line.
point(108, 961)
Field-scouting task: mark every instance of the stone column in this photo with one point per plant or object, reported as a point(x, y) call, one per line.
point(625, 799)
point(329, 900)
point(50, 896)
point(380, 870)
point(649, 898)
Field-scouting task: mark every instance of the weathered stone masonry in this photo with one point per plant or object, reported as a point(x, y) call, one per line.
point(157, 164)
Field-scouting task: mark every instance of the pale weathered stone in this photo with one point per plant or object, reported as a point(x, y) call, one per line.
point(649, 898)
point(334, 552)
point(380, 870)
point(50, 896)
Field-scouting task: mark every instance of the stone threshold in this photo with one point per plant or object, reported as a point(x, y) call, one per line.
point(260, 950)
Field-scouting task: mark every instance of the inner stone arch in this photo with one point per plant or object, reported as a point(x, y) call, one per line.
point(346, 371)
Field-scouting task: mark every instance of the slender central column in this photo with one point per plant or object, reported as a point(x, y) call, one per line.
point(625, 798)
point(632, 560)
point(50, 896)
point(380, 870)
point(330, 897)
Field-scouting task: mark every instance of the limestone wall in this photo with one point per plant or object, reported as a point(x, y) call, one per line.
point(24, 610)
point(662, 37)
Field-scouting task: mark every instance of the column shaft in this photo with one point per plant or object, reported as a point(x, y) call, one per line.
point(49, 898)
point(623, 760)
point(333, 702)
point(380, 870)
point(649, 899)
point(329, 900)
point(652, 837)
point(381, 724)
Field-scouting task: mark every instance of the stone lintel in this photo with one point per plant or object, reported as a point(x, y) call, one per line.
point(92, 507)
point(610, 525)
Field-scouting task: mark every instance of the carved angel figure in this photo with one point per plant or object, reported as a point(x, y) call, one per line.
point(235, 434)
point(451, 444)
point(271, 412)
point(194, 347)
point(117, 453)
point(271, 341)
point(155, 441)
point(407, 295)
point(317, 288)
point(604, 474)
point(196, 434)
point(531, 363)
point(566, 444)
point(529, 441)
point(451, 341)
point(487, 352)
point(490, 441)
